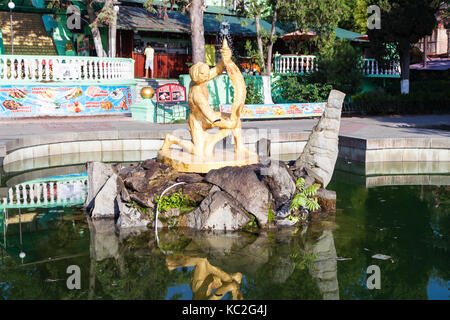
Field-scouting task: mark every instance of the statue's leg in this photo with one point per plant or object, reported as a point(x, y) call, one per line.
point(171, 139)
point(213, 139)
point(239, 141)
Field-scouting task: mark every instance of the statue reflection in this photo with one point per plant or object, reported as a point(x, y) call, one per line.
point(207, 277)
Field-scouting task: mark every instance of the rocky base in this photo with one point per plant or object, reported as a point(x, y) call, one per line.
point(230, 198)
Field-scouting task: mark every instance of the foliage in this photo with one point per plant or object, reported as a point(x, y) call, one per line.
point(343, 70)
point(293, 218)
point(422, 102)
point(257, 10)
point(165, 5)
point(300, 89)
point(251, 50)
point(303, 261)
point(271, 215)
point(254, 95)
point(138, 207)
point(175, 200)
point(354, 15)
point(305, 197)
point(322, 16)
point(251, 225)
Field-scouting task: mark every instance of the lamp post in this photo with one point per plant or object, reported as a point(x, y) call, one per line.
point(11, 6)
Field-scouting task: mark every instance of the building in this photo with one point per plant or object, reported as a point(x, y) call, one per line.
point(438, 43)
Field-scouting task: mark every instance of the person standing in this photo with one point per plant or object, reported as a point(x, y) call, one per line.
point(149, 54)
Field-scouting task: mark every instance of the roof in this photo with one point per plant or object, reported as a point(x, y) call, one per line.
point(131, 18)
point(209, 8)
point(436, 65)
point(238, 26)
point(350, 35)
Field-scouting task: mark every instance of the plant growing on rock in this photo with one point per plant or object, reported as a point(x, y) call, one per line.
point(138, 207)
point(175, 200)
point(305, 198)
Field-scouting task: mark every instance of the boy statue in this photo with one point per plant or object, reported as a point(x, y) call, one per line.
point(203, 117)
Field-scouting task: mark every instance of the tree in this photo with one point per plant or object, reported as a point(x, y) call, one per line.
point(403, 23)
point(94, 28)
point(257, 10)
point(197, 31)
point(320, 16)
point(360, 16)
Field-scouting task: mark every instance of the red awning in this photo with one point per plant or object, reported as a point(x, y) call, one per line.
point(365, 38)
point(299, 35)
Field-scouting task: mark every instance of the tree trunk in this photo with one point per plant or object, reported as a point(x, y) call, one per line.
point(260, 44)
point(94, 29)
point(405, 60)
point(113, 37)
point(197, 32)
point(270, 44)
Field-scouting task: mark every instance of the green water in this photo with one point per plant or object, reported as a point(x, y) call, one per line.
point(328, 260)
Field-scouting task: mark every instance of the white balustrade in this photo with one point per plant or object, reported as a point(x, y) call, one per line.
point(64, 68)
point(372, 68)
point(292, 64)
point(44, 193)
point(295, 64)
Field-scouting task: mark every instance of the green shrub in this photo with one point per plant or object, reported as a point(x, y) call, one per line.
point(343, 70)
point(300, 89)
point(421, 102)
point(254, 89)
point(175, 200)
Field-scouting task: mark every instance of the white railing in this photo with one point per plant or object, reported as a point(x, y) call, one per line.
point(64, 68)
point(46, 193)
point(295, 64)
point(291, 64)
point(371, 68)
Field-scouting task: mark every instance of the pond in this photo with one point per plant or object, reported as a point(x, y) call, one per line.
point(406, 228)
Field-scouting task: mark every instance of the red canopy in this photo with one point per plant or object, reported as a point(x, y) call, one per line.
point(299, 35)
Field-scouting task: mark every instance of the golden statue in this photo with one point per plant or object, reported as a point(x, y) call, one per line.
point(202, 118)
point(207, 277)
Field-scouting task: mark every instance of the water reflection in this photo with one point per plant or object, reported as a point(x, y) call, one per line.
point(215, 265)
point(208, 282)
point(408, 223)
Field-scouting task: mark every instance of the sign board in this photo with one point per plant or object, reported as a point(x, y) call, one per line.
point(280, 111)
point(53, 100)
point(171, 93)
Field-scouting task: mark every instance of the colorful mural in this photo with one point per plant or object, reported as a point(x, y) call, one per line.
point(48, 100)
point(288, 110)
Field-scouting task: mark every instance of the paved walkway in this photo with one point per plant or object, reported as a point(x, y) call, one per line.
point(361, 139)
point(365, 128)
point(118, 127)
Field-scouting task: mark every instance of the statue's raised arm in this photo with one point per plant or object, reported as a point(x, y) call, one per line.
point(240, 91)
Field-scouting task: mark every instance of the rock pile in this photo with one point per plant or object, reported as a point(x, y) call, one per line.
point(229, 198)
